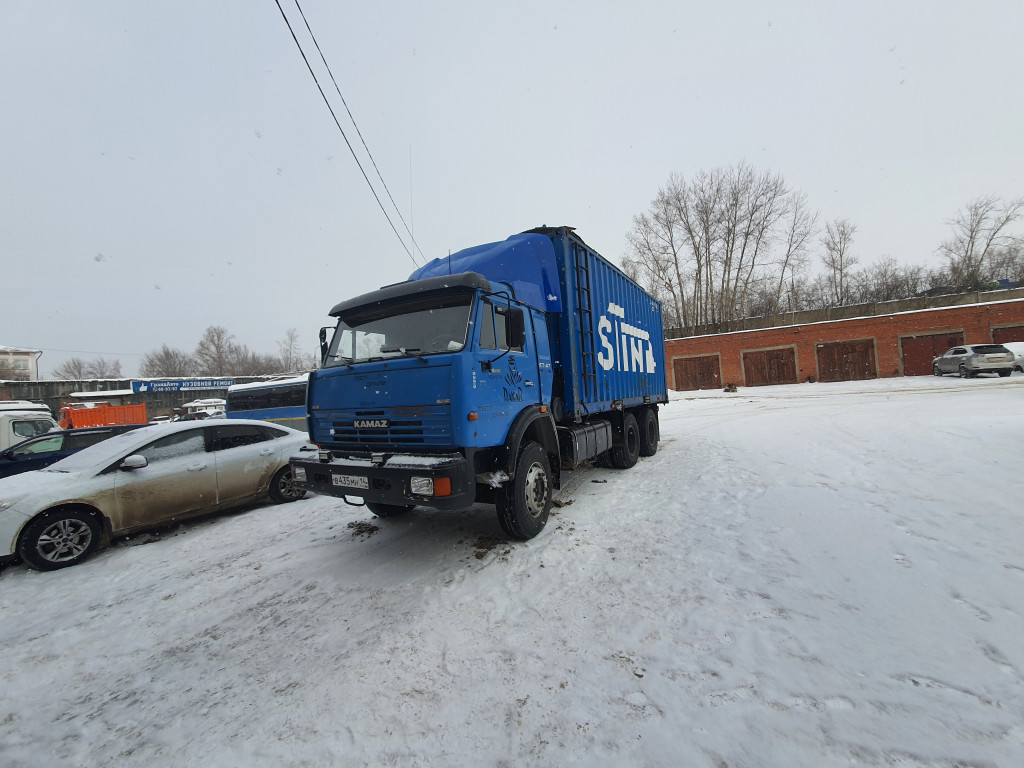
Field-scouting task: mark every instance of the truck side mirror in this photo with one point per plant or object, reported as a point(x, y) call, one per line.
point(515, 329)
point(323, 345)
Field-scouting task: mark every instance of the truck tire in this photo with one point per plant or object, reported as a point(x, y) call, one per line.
point(650, 432)
point(388, 510)
point(626, 453)
point(524, 502)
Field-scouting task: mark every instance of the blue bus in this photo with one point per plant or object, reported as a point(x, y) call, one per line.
point(282, 401)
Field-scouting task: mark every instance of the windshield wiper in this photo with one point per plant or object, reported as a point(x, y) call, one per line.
point(346, 361)
point(405, 351)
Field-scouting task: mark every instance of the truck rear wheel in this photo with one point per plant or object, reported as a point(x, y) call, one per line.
point(649, 432)
point(626, 453)
point(524, 502)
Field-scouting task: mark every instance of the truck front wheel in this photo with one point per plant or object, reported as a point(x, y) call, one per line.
point(524, 502)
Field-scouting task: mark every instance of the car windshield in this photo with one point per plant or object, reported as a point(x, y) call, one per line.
point(425, 325)
point(32, 427)
point(989, 349)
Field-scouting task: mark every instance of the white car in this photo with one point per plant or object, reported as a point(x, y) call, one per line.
point(154, 475)
point(1017, 347)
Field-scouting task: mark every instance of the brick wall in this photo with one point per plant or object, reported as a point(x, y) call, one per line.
point(975, 322)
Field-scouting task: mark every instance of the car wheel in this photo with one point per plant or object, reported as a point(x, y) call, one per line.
point(649, 432)
point(283, 487)
point(935, 370)
point(626, 454)
point(1004, 374)
point(965, 374)
point(524, 502)
point(59, 538)
point(388, 510)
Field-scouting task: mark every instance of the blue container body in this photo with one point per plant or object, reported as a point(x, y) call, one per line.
point(604, 331)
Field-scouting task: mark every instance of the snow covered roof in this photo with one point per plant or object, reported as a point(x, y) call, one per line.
point(22, 350)
point(102, 394)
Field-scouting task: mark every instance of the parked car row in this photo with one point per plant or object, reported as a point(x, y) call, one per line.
point(141, 478)
point(971, 359)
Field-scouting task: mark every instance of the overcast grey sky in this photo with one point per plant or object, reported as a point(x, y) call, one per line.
point(167, 166)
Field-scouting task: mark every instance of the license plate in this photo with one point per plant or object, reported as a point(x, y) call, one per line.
point(351, 481)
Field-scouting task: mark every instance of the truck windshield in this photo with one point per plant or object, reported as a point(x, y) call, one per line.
point(423, 325)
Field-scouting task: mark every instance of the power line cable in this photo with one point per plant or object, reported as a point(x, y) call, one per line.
point(358, 132)
point(342, 130)
point(87, 351)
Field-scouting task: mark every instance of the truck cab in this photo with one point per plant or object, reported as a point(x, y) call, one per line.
point(16, 426)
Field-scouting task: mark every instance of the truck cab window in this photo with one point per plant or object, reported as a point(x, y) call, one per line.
point(494, 325)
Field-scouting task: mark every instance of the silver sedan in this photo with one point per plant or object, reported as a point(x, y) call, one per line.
point(150, 476)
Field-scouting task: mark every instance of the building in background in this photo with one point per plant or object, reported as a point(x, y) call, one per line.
point(17, 364)
point(897, 343)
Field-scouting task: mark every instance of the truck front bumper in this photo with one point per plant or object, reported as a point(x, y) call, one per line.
point(441, 481)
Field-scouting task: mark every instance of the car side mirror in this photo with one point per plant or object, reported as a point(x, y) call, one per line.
point(134, 462)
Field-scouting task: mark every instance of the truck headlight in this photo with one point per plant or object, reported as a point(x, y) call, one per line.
point(299, 474)
point(422, 486)
point(428, 486)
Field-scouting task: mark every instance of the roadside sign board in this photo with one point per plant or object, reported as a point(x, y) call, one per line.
point(179, 385)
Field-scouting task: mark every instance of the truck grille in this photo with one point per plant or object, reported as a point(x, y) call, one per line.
point(423, 427)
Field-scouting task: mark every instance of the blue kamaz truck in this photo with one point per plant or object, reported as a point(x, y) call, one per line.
point(482, 377)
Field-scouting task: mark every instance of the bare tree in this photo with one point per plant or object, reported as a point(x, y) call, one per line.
point(800, 226)
point(76, 369)
point(7, 372)
point(1008, 263)
point(708, 243)
point(215, 352)
point(837, 258)
point(245, 362)
point(167, 362)
point(979, 230)
point(72, 369)
point(290, 347)
point(657, 250)
point(753, 205)
point(101, 368)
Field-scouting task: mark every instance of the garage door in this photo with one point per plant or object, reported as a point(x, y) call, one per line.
point(916, 352)
point(847, 360)
point(697, 372)
point(769, 366)
point(1015, 333)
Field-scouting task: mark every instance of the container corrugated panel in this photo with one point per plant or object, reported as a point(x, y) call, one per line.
point(611, 332)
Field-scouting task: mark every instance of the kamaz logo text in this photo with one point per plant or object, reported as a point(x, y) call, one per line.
point(626, 348)
point(370, 424)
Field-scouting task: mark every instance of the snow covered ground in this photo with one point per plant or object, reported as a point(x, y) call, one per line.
point(807, 575)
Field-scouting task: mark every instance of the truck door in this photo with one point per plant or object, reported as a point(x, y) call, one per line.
point(504, 376)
